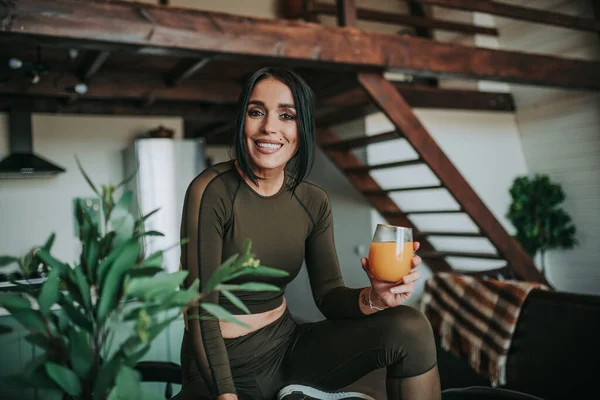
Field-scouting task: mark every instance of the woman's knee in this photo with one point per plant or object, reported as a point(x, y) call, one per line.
point(409, 331)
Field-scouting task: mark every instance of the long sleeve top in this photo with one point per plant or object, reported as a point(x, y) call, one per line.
point(220, 211)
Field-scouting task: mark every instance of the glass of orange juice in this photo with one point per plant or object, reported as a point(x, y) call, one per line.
point(391, 253)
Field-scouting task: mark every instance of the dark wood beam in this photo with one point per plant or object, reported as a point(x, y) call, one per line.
point(127, 86)
point(429, 97)
point(395, 107)
point(94, 24)
point(346, 12)
point(202, 112)
point(149, 88)
point(419, 22)
point(344, 160)
point(521, 13)
point(422, 10)
point(92, 63)
point(184, 70)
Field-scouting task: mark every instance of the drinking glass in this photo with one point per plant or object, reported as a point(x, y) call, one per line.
point(391, 253)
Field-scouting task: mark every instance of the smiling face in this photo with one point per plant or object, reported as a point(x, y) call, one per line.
point(271, 126)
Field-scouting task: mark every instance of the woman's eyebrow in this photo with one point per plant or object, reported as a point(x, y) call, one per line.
point(280, 105)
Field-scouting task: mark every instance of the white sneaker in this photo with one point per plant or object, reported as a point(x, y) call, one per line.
point(301, 392)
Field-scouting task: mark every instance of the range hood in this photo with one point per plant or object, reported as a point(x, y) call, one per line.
point(22, 162)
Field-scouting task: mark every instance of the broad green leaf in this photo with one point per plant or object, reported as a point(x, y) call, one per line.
point(80, 353)
point(52, 262)
point(259, 271)
point(105, 265)
point(7, 260)
point(84, 288)
point(156, 329)
point(247, 246)
point(185, 297)
point(235, 301)
point(133, 357)
point(153, 260)
point(92, 250)
point(124, 230)
point(74, 314)
point(222, 274)
point(114, 279)
point(87, 178)
point(38, 339)
point(49, 242)
point(106, 376)
point(222, 314)
point(145, 272)
point(150, 287)
point(14, 302)
point(5, 329)
point(30, 319)
point(64, 377)
point(49, 294)
point(128, 383)
point(251, 287)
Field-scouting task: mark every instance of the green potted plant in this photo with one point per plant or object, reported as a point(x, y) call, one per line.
point(537, 214)
point(74, 315)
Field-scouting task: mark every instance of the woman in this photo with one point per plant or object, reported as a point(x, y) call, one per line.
point(263, 196)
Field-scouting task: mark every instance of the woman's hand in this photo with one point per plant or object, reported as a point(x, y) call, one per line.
point(384, 295)
point(228, 396)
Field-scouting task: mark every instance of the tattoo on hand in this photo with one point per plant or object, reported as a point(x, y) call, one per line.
point(365, 301)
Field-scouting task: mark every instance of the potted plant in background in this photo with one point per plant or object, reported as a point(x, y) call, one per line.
point(114, 287)
point(537, 214)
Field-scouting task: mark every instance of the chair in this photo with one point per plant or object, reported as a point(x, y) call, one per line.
point(161, 371)
point(485, 393)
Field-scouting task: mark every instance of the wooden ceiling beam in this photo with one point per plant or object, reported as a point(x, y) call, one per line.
point(521, 13)
point(202, 33)
point(201, 112)
point(150, 88)
point(184, 70)
point(92, 63)
point(127, 86)
point(419, 22)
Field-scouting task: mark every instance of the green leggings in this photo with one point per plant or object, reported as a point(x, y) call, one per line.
point(327, 355)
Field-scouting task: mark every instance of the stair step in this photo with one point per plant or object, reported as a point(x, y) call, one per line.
point(441, 254)
point(407, 189)
point(448, 234)
point(345, 145)
point(403, 213)
point(367, 168)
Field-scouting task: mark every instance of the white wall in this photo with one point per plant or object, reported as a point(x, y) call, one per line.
point(560, 132)
point(31, 209)
point(484, 147)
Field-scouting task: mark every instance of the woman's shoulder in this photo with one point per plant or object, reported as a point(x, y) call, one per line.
point(217, 180)
point(309, 193)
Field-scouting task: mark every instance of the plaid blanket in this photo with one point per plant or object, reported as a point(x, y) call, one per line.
point(475, 318)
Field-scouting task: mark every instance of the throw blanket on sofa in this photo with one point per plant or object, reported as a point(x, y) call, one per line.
point(475, 318)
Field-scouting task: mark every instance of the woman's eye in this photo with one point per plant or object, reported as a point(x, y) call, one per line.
point(288, 116)
point(255, 113)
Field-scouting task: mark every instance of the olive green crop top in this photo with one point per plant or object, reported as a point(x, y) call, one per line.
point(220, 211)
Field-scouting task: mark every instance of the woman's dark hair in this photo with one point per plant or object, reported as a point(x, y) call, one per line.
point(301, 163)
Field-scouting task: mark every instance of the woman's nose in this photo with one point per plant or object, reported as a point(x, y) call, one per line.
point(270, 124)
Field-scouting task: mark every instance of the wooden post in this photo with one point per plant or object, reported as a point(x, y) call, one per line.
point(346, 14)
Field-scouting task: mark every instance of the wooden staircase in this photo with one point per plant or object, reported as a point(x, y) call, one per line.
point(388, 99)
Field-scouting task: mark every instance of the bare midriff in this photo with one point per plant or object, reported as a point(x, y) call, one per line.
point(229, 330)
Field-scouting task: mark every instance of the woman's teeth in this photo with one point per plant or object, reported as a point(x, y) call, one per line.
point(271, 146)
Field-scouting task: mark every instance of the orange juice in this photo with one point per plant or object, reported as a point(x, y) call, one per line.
point(389, 262)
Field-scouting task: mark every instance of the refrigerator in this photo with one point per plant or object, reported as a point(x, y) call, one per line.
point(165, 169)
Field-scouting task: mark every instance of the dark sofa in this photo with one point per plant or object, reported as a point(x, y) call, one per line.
point(555, 352)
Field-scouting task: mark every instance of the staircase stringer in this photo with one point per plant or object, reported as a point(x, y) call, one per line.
point(398, 111)
point(384, 203)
